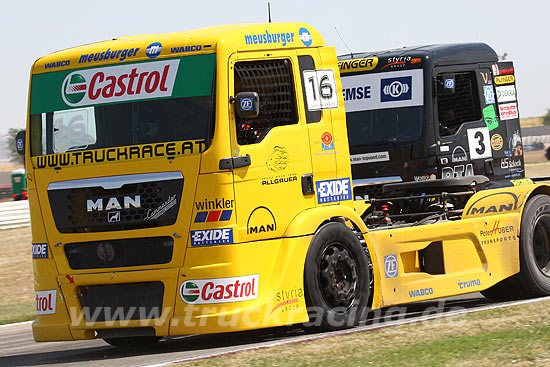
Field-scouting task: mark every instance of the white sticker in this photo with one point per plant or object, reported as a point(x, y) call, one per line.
point(506, 93)
point(370, 157)
point(508, 111)
point(320, 87)
point(46, 302)
point(478, 141)
point(383, 90)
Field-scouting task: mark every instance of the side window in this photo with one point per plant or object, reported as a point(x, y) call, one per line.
point(273, 81)
point(306, 63)
point(458, 107)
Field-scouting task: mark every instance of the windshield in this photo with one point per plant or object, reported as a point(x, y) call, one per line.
point(124, 105)
point(394, 125)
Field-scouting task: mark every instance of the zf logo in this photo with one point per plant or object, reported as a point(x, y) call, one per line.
point(396, 89)
point(390, 266)
point(246, 104)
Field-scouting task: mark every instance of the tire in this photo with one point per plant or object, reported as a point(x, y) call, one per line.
point(533, 279)
point(133, 341)
point(336, 278)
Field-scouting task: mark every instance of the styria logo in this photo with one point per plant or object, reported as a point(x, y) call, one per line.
point(396, 89)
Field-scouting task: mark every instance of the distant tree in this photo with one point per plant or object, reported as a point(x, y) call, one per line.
point(546, 118)
point(12, 149)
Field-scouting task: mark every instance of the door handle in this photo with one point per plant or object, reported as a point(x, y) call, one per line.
point(235, 162)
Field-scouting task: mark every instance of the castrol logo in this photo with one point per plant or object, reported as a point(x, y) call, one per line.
point(220, 290)
point(120, 83)
point(46, 302)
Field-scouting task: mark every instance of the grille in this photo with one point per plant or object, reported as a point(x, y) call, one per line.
point(119, 302)
point(272, 80)
point(119, 253)
point(132, 206)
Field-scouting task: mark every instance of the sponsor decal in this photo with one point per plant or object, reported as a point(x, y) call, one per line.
point(128, 153)
point(421, 292)
point(508, 111)
point(489, 94)
point(153, 50)
point(506, 93)
point(383, 90)
point(213, 216)
point(499, 71)
point(486, 78)
point(390, 266)
point(426, 177)
point(396, 89)
point(326, 141)
point(365, 64)
point(515, 145)
point(497, 142)
point(288, 299)
point(499, 234)
point(269, 38)
point(109, 54)
point(506, 79)
point(522, 182)
point(399, 62)
point(206, 237)
point(370, 157)
point(113, 203)
point(58, 64)
point(459, 155)
point(214, 204)
point(457, 171)
point(220, 290)
point(508, 201)
point(261, 220)
point(278, 159)
point(246, 104)
point(330, 191)
point(46, 302)
point(449, 83)
point(305, 37)
point(120, 83)
point(290, 177)
point(509, 163)
point(490, 117)
point(153, 214)
point(39, 250)
point(469, 283)
point(180, 49)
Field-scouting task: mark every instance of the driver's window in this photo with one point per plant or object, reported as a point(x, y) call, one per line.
point(73, 129)
point(274, 83)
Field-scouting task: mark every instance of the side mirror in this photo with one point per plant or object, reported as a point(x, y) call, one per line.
point(20, 142)
point(247, 104)
point(448, 83)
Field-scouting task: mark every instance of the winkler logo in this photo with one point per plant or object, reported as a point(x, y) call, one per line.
point(74, 88)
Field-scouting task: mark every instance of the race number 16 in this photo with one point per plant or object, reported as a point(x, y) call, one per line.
point(320, 88)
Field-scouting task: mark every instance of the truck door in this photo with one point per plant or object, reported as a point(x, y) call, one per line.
point(271, 152)
point(464, 113)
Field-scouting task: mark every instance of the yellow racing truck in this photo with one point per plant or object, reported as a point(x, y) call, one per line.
point(200, 182)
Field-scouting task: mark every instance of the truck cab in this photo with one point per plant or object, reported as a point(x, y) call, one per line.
point(430, 112)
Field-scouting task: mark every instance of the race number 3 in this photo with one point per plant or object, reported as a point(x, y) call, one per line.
point(478, 140)
point(320, 87)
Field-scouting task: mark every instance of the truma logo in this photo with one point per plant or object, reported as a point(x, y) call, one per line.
point(305, 36)
point(153, 50)
point(120, 83)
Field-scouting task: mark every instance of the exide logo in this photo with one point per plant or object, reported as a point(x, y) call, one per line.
point(120, 83)
point(221, 290)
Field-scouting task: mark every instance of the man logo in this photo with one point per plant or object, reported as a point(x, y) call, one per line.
point(153, 50)
point(74, 88)
point(190, 292)
point(246, 104)
point(113, 217)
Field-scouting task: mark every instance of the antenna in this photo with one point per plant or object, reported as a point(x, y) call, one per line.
point(345, 44)
point(269, 11)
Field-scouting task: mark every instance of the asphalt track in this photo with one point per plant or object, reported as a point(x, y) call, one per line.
point(17, 347)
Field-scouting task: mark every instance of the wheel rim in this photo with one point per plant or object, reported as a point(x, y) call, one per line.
point(338, 276)
point(541, 244)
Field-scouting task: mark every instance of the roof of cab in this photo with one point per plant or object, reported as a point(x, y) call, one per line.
point(238, 37)
point(437, 54)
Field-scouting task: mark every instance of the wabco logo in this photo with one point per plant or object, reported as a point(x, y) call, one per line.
point(120, 83)
point(113, 203)
point(330, 191)
point(221, 290)
point(396, 89)
point(153, 50)
point(206, 237)
point(305, 36)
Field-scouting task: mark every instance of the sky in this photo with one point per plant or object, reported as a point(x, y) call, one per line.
point(32, 28)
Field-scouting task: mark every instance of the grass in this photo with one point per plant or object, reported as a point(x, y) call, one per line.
point(513, 336)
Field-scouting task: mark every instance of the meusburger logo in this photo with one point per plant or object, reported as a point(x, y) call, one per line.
point(120, 83)
point(221, 290)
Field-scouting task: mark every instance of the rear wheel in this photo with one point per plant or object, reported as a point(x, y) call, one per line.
point(133, 341)
point(336, 278)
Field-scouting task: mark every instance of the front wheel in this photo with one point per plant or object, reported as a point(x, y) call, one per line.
point(336, 278)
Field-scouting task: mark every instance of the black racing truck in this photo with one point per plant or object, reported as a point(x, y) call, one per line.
point(429, 120)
